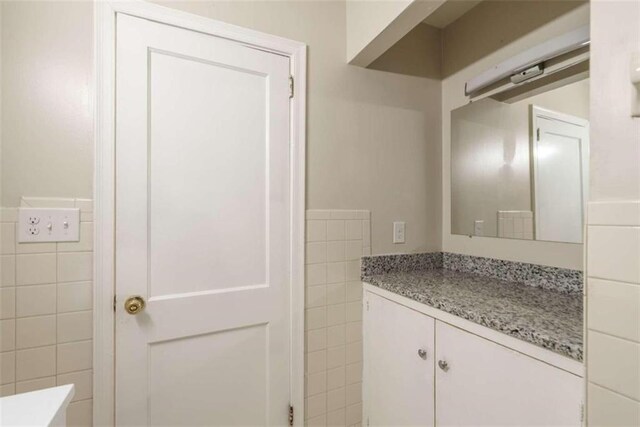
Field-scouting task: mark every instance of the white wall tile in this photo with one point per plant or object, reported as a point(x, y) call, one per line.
point(336, 335)
point(7, 367)
point(331, 282)
point(335, 230)
point(617, 368)
point(353, 230)
point(336, 251)
point(35, 300)
point(336, 356)
point(75, 266)
point(316, 405)
point(83, 382)
point(316, 296)
point(35, 363)
point(612, 253)
point(35, 269)
point(35, 248)
point(7, 238)
point(336, 418)
point(316, 383)
point(80, 413)
point(614, 308)
point(7, 389)
point(336, 272)
point(354, 393)
point(354, 414)
point(606, 408)
point(335, 293)
point(316, 231)
point(7, 335)
point(336, 399)
point(615, 213)
point(335, 378)
point(76, 356)
point(353, 331)
point(354, 373)
point(37, 384)
point(316, 361)
point(335, 314)
point(315, 318)
point(7, 303)
point(315, 274)
point(38, 297)
point(7, 270)
point(85, 243)
point(76, 326)
point(75, 296)
point(35, 331)
point(316, 252)
point(316, 340)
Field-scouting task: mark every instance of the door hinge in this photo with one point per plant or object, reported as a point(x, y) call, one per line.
point(290, 415)
point(290, 86)
point(538, 134)
point(367, 305)
point(114, 303)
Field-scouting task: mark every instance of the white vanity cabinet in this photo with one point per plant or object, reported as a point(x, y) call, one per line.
point(399, 364)
point(465, 379)
point(484, 383)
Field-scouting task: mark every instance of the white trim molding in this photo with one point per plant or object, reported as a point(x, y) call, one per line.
point(104, 182)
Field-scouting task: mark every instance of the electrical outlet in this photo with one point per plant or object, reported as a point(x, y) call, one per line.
point(478, 227)
point(48, 225)
point(398, 232)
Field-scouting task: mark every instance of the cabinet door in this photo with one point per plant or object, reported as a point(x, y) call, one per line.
point(398, 377)
point(485, 383)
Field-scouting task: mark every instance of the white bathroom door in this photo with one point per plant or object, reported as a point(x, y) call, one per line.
point(560, 170)
point(202, 229)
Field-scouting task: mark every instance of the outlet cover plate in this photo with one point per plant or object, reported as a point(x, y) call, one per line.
point(48, 225)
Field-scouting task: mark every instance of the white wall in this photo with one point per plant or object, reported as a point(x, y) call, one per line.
point(373, 137)
point(471, 45)
point(490, 168)
point(47, 121)
point(613, 236)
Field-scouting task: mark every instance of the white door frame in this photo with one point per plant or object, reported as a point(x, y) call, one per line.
point(104, 187)
point(535, 113)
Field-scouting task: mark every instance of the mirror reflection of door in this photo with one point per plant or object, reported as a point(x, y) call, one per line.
point(559, 150)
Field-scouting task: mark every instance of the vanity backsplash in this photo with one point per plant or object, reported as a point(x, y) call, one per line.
point(553, 278)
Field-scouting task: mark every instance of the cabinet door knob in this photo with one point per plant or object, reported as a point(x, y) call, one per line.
point(422, 353)
point(443, 365)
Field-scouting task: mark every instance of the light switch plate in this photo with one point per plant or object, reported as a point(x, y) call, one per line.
point(48, 225)
point(398, 232)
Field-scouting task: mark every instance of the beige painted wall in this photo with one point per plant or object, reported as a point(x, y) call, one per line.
point(367, 19)
point(490, 33)
point(373, 137)
point(490, 153)
point(47, 123)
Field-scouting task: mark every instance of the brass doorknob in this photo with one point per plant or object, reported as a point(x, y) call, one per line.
point(134, 304)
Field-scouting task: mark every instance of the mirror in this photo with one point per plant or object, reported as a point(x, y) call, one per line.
point(519, 167)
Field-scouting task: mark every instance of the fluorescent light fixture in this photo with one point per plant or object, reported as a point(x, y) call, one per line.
point(550, 49)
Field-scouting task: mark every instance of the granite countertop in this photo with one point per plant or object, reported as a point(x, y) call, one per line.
point(544, 317)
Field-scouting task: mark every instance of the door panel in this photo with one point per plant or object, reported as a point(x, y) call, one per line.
point(202, 234)
point(398, 382)
point(211, 184)
point(560, 178)
point(487, 384)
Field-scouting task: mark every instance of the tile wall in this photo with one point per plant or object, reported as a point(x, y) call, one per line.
point(515, 224)
point(46, 301)
point(335, 241)
point(613, 314)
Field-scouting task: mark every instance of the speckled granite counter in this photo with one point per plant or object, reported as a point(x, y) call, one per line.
point(548, 318)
